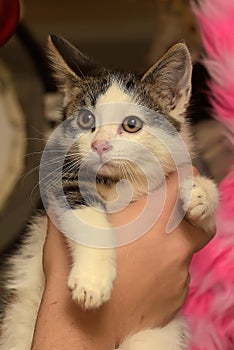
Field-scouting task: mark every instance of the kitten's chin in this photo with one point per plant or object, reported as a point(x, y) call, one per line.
point(119, 169)
point(109, 168)
point(114, 168)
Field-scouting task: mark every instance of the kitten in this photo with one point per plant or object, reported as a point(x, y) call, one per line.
point(146, 106)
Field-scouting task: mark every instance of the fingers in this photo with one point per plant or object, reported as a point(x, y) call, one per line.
point(172, 188)
point(186, 240)
point(197, 237)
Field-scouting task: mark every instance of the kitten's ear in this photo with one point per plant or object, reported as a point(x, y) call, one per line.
point(68, 62)
point(169, 80)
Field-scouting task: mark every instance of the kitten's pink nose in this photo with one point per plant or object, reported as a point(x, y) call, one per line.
point(101, 146)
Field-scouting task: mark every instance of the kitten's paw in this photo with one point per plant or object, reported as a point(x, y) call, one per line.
point(91, 288)
point(200, 199)
point(198, 206)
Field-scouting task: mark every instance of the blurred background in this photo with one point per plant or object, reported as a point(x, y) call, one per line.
point(130, 34)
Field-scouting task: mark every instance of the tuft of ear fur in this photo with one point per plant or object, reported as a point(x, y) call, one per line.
point(168, 81)
point(68, 62)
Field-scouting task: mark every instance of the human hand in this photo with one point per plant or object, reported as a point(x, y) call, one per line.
point(152, 280)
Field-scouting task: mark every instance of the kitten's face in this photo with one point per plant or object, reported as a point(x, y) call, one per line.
point(119, 134)
point(124, 119)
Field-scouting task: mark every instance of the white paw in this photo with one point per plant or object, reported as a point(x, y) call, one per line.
point(198, 206)
point(91, 288)
point(199, 198)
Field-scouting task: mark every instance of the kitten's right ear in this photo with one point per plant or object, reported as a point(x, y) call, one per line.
point(169, 81)
point(68, 62)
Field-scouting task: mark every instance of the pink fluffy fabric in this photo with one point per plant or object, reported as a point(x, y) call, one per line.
point(210, 305)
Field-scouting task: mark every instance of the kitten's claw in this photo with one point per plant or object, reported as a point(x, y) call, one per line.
point(91, 290)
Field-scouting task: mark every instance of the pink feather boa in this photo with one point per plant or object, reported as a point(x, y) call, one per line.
point(210, 304)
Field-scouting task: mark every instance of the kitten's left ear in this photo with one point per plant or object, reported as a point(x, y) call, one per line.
point(169, 80)
point(68, 62)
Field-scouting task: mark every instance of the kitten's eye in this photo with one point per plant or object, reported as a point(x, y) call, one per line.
point(132, 124)
point(86, 119)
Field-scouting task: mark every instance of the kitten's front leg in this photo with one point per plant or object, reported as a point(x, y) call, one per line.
point(202, 195)
point(93, 270)
point(92, 275)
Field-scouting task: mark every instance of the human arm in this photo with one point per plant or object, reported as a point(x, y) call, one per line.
point(162, 259)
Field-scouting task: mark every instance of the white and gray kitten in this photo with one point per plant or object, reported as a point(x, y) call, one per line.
point(165, 90)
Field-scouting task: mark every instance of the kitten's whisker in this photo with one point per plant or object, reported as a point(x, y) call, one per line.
point(43, 151)
point(50, 162)
point(35, 139)
point(38, 131)
point(71, 166)
point(52, 181)
point(46, 141)
point(55, 160)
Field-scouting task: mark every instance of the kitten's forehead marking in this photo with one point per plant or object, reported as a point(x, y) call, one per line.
point(114, 94)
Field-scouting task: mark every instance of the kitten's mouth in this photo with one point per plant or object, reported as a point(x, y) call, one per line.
point(113, 164)
point(118, 167)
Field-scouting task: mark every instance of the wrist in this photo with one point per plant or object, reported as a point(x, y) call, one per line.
point(56, 280)
point(88, 329)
